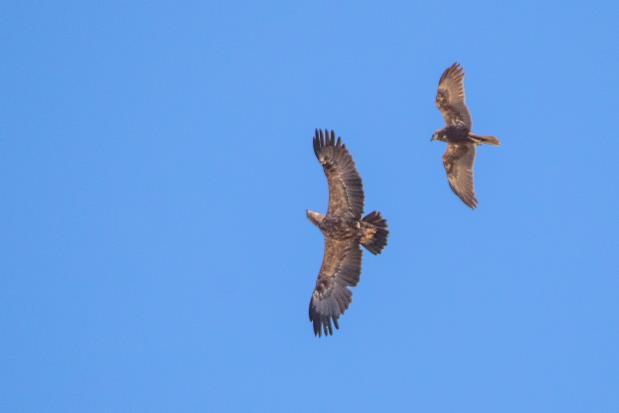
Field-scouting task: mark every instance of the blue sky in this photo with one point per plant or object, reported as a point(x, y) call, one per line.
point(156, 164)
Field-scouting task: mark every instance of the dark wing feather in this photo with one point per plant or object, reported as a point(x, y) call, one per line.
point(345, 187)
point(450, 97)
point(341, 267)
point(458, 162)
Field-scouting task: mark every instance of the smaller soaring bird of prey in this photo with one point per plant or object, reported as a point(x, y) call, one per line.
point(344, 231)
point(461, 142)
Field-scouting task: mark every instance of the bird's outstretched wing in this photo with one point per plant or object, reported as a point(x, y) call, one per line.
point(450, 97)
point(345, 187)
point(458, 161)
point(341, 267)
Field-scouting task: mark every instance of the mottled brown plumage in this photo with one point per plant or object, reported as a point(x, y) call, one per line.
point(344, 231)
point(459, 157)
point(450, 97)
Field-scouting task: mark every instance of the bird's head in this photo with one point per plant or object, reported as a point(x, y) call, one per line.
point(438, 136)
point(315, 217)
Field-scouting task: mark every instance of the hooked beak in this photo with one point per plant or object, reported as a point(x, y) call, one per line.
point(311, 214)
point(314, 217)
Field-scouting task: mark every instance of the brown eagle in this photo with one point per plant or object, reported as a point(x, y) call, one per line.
point(460, 154)
point(343, 230)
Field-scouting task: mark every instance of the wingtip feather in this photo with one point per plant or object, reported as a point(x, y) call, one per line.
point(455, 71)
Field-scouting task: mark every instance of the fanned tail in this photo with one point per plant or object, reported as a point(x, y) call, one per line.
point(374, 232)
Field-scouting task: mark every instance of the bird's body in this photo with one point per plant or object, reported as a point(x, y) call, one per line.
point(340, 228)
point(344, 232)
point(459, 157)
point(454, 134)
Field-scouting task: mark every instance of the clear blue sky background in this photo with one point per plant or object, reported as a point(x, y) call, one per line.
point(156, 164)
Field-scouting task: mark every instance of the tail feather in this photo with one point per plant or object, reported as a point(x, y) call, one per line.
point(486, 140)
point(374, 232)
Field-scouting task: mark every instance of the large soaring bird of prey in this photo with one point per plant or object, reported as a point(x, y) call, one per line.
point(344, 231)
point(461, 142)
